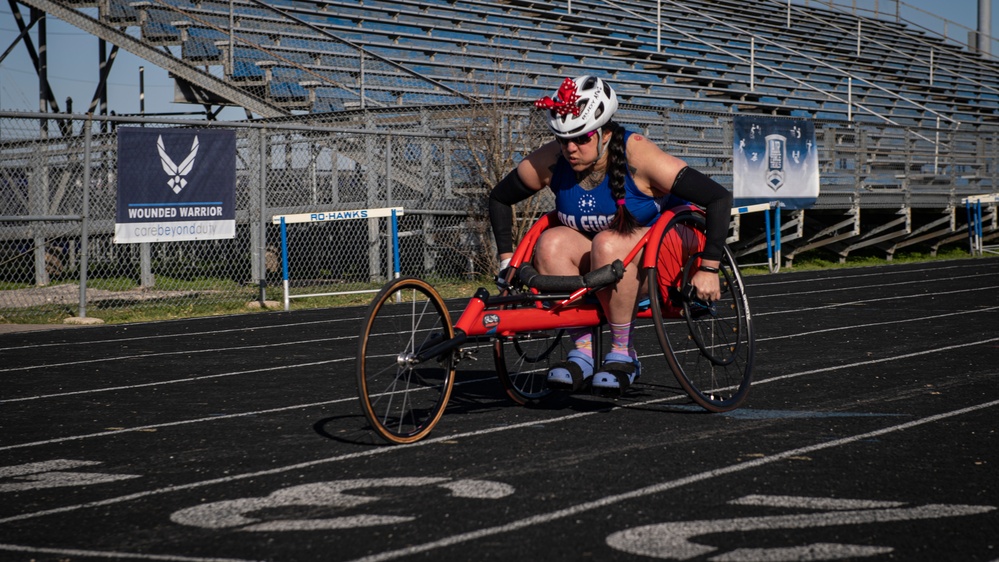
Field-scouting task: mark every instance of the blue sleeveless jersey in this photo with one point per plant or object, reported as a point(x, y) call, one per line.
point(591, 211)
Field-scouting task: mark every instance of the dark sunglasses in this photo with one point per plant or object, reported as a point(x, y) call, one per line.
point(578, 141)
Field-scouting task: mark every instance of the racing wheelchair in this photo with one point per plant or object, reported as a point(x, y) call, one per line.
point(409, 348)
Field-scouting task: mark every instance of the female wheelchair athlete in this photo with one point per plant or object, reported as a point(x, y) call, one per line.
point(409, 349)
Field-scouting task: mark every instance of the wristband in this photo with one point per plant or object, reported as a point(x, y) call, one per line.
point(708, 268)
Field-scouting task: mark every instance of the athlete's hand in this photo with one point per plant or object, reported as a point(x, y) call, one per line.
point(707, 286)
point(504, 267)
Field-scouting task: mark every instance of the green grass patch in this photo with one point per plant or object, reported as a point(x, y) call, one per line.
point(816, 260)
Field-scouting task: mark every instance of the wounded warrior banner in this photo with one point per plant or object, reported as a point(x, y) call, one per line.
point(175, 185)
point(775, 159)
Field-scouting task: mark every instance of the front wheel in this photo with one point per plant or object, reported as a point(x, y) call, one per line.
point(709, 346)
point(404, 398)
point(524, 359)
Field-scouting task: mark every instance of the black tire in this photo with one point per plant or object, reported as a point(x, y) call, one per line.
point(403, 400)
point(709, 346)
point(524, 359)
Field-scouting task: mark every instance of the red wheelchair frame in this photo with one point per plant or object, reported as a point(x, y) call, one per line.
point(409, 348)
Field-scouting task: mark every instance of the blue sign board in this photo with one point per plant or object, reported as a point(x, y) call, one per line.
point(175, 184)
point(775, 159)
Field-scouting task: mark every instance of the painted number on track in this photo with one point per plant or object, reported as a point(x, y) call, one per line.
point(53, 474)
point(675, 540)
point(239, 513)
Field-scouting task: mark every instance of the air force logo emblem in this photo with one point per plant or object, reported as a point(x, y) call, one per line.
point(177, 171)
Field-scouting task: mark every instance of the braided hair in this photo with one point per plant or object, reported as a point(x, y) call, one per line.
point(617, 168)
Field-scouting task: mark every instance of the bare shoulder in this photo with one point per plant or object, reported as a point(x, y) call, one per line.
point(536, 169)
point(639, 147)
point(650, 164)
point(642, 150)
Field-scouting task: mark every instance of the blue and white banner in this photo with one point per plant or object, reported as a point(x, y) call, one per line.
point(775, 159)
point(175, 185)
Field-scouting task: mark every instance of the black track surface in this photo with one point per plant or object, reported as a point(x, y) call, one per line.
point(870, 433)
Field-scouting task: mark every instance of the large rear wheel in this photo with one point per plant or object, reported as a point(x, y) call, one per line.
point(709, 345)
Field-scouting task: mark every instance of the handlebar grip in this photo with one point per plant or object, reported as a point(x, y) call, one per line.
point(548, 283)
point(606, 275)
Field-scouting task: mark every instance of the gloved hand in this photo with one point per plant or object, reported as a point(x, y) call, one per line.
point(504, 267)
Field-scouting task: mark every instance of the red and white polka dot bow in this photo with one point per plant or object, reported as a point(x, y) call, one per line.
point(567, 98)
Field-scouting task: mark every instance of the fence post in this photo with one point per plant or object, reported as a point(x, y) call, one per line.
point(373, 192)
point(284, 264)
point(85, 223)
point(146, 279)
point(261, 226)
point(257, 220)
point(389, 197)
point(770, 247)
point(38, 204)
point(395, 245)
point(995, 161)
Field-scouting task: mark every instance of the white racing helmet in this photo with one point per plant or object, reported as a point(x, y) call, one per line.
point(580, 106)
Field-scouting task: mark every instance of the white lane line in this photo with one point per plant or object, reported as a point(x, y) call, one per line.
point(813, 504)
point(879, 272)
point(119, 340)
point(659, 488)
point(873, 324)
point(386, 450)
point(73, 552)
point(175, 381)
point(178, 352)
point(884, 360)
point(170, 424)
point(880, 285)
point(865, 301)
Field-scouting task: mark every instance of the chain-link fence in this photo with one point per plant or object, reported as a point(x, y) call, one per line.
point(58, 202)
point(59, 189)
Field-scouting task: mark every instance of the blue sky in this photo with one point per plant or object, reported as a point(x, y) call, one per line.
point(73, 63)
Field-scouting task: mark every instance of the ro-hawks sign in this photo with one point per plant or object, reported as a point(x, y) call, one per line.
point(175, 185)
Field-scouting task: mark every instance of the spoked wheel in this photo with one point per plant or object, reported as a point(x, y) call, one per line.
point(524, 359)
point(401, 397)
point(709, 346)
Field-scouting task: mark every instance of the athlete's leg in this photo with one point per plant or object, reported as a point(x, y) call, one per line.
point(565, 251)
point(620, 367)
point(619, 300)
point(562, 251)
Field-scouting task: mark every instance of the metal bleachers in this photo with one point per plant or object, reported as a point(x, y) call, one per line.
point(906, 120)
point(711, 56)
point(775, 58)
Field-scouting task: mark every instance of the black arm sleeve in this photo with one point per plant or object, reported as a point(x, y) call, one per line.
point(717, 202)
point(509, 191)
